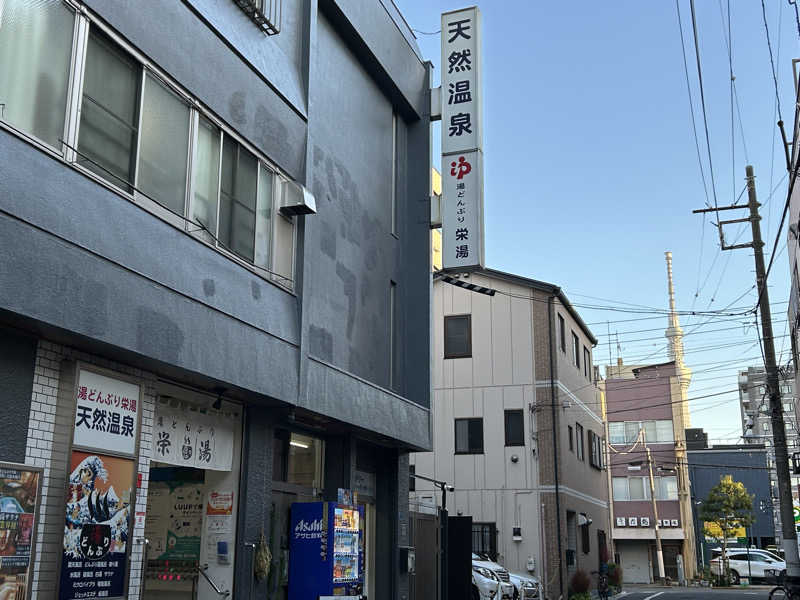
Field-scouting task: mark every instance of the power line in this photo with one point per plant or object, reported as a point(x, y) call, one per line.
point(771, 60)
point(703, 102)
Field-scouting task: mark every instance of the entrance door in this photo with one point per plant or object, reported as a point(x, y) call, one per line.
point(192, 497)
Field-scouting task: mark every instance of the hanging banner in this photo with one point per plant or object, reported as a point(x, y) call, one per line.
point(188, 438)
point(462, 141)
point(19, 501)
point(96, 532)
point(106, 414)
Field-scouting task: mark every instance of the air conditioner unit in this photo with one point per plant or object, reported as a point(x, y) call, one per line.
point(644, 521)
point(631, 521)
point(296, 200)
point(620, 521)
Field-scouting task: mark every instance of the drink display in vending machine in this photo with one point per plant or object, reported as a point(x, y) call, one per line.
point(326, 552)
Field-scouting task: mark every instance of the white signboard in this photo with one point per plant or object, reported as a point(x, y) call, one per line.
point(462, 218)
point(188, 438)
point(462, 141)
point(106, 414)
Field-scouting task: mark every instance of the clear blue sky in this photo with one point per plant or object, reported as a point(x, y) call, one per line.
point(591, 170)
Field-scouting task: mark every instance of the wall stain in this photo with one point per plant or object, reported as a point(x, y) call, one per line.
point(237, 108)
point(255, 289)
point(320, 342)
point(209, 288)
point(349, 283)
point(327, 241)
point(157, 335)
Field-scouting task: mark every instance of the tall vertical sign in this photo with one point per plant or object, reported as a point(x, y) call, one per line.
point(462, 140)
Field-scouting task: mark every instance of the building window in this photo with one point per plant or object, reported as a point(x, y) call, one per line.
point(569, 435)
point(515, 428)
point(587, 369)
point(619, 488)
point(666, 488)
point(35, 49)
point(132, 127)
point(484, 539)
point(579, 440)
point(562, 333)
point(585, 544)
point(469, 436)
point(109, 112)
point(655, 432)
point(412, 481)
point(392, 325)
point(393, 190)
point(576, 351)
point(595, 450)
point(765, 426)
point(297, 459)
point(458, 336)
point(638, 488)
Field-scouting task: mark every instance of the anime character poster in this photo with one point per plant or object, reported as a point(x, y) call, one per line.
point(98, 515)
point(19, 495)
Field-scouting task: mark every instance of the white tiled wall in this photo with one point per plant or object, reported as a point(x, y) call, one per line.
point(49, 430)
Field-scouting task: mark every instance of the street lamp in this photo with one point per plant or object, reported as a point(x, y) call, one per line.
point(444, 487)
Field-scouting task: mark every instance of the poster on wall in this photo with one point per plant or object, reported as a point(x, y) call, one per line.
point(175, 520)
point(106, 413)
point(96, 531)
point(188, 438)
point(19, 499)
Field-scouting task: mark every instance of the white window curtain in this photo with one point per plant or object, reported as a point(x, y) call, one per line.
point(35, 52)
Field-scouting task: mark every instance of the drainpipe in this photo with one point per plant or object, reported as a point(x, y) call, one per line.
point(553, 390)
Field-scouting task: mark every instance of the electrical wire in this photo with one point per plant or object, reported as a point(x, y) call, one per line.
point(703, 103)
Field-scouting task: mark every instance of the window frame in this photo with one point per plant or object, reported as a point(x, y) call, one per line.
point(514, 412)
point(468, 353)
point(580, 450)
point(595, 450)
point(84, 21)
point(587, 371)
point(562, 333)
point(470, 421)
point(576, 351)
point(570, 436)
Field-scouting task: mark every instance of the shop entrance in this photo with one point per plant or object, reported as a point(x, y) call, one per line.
point(193, 491)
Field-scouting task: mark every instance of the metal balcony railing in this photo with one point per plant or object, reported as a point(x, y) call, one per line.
point(266, 14)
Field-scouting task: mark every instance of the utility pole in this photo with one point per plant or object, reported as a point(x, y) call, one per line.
point(659, 552)
point(789, 534)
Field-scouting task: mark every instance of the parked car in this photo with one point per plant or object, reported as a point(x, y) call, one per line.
point(763, 564)
point(484, 565)
point(526, 587)
point(485, 584)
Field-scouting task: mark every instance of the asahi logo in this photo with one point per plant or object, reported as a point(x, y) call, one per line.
point(304, 526)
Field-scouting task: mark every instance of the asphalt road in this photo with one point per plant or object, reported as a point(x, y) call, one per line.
point(694, 593)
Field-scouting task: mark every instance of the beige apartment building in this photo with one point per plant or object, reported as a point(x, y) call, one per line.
point(517, 426)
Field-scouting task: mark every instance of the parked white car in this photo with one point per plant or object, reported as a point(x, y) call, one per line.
point(762, 563)
point(489, 571)
point(526, 587)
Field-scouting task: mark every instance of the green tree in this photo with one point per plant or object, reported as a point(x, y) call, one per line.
point(729, 507)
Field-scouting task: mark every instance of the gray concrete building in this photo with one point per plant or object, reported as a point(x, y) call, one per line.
point(214, 289)
point(757, 426)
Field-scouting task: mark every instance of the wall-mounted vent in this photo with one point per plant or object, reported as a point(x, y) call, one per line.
point(266, 14)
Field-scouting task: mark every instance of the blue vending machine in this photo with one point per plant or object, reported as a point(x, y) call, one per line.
point(326, 551)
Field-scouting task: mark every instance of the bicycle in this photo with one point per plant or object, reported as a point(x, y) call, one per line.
point(602, 585)
point(781, 591)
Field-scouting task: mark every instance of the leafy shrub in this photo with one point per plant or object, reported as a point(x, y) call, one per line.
point(581, 596)
point(580, 583)
point(614, 574)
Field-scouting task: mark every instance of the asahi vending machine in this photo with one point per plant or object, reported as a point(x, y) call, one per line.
point(326, 552)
